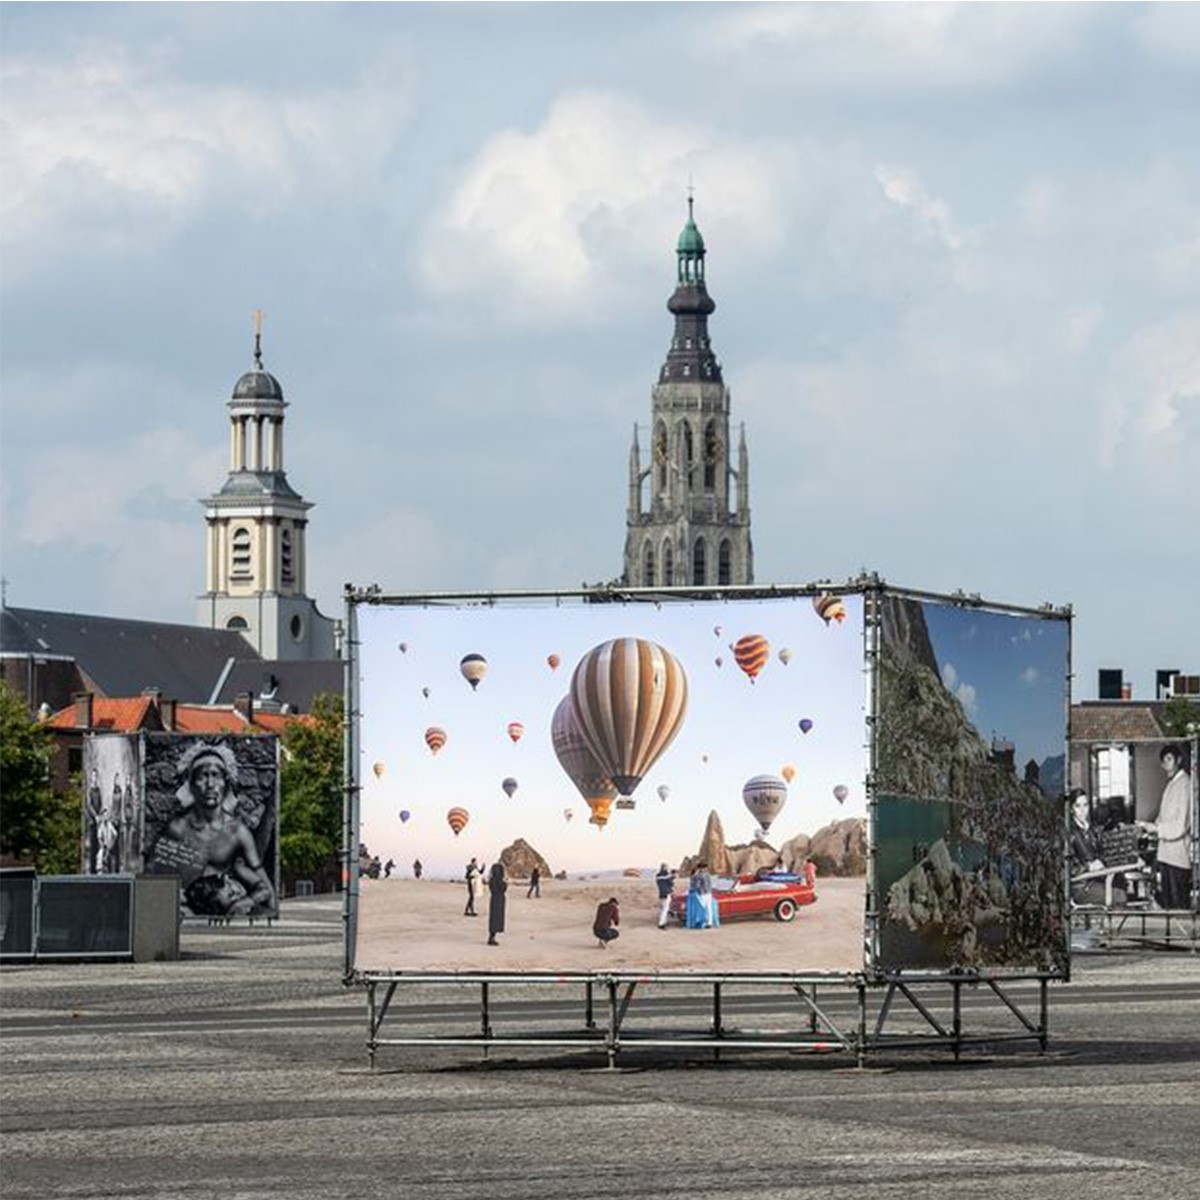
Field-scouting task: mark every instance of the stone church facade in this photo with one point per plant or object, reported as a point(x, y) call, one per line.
point(688, 520)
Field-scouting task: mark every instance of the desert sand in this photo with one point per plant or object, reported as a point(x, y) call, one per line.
point(418, 925)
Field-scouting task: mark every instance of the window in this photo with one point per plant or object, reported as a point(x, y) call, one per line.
point(668, 566)
point(724, 564)
point(660, 456)
point(648, 565)
point(286, 568)
point(698, 562)
point(297, 627)
point(239, 624)
point(712, 451)
point(239, 564)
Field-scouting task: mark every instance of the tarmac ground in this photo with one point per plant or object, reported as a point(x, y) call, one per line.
point(241, 1072)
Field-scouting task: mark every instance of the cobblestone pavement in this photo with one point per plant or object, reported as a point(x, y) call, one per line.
point(241, 1072)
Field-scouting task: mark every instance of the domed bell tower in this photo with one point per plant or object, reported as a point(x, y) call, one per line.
point(695, 530)
point(256, 556)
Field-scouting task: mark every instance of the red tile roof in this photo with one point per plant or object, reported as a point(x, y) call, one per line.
point(117, 716)
point(132, 715)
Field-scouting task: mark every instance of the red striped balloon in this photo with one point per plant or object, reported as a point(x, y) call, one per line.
point(457, 819)
point(435, 738)
point(752, 653)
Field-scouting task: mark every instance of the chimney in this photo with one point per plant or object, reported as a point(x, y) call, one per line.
point(243, 703)
point(1127, 691)
point(83, 710)
point(166, 712)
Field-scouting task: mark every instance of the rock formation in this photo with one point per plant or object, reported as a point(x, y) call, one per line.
point(712, 847)
point(520, 858)
point(840, 848)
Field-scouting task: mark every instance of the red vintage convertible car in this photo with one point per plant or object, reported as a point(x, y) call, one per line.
point(754, 895)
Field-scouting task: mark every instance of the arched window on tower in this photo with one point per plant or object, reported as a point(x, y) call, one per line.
point(689, 454)
point(712, 451)
point(239, 553)
point(668, 565)
point(238, 624)
point(287, 570)
point(725, 563)
point(647, 565)
point(699, 563)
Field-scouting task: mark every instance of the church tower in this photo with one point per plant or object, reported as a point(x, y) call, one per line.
point(696, 530)
point(256, 557)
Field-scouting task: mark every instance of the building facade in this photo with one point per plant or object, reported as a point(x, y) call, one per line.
point(256, 557)
point(688, 521)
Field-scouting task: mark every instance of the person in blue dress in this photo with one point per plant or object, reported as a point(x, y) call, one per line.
point(701, 904)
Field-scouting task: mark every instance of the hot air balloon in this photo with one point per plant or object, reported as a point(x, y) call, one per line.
point(841, 792)
point(764, 796)
point(474, 668)
point(457, 819)
point(719, 661)
point(663, 791)
point(404, 815)
point(379, 769)
point(435, 738)
point(785, 656)
point(717, 631)
point(829, 607)
point(509, 786)
point(805, 724)
point(569, 813)
point(552, 661)
point(788, 773)
point(580, 764)
point(515, 730)
point(403, 647)
point(630, 700)
point(704, 759)
point(425, 692)
point(751, 653)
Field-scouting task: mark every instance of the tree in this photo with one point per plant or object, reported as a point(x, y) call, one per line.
point(38, 826)
point(310, 803)
point(1180, 718)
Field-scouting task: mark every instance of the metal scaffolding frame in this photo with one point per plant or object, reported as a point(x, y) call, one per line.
point(846, 1014)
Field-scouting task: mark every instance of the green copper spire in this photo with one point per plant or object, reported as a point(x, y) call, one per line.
point(690, 251)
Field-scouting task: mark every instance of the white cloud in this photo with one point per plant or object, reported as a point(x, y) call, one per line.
point(543, 221)
point(109, 136)
point(1030, 675)
point(917, 47)
point(903, 187)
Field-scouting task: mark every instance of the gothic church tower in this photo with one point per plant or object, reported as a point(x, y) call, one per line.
point(696, 530)
point(256, 557)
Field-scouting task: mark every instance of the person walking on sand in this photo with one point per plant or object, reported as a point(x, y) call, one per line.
point(608, 917)
point(665, 880)
point(497, 886)
point(417, 868)
point(535, 883)
point(473, 876)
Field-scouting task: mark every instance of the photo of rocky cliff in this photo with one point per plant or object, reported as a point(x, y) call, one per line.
point(969, 867)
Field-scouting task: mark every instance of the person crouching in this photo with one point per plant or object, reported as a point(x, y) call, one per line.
point(608, 917)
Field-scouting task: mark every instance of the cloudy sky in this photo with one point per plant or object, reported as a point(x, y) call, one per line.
point(955, 252)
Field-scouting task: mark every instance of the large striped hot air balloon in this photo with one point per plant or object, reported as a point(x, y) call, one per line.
point(580, 764)
point(752, 652)
point(630, 700)
point(474, 668)
point(435, 738)
point(829, 607)
point(516, 730)
point(457, 819)
point(764, 796)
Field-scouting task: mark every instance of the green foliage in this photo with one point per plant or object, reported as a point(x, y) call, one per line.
point(37, 826)
point(310, 803)
point(1180, 718)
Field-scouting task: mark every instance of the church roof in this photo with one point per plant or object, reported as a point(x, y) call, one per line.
point(295, 683)
point(123, 657)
